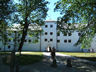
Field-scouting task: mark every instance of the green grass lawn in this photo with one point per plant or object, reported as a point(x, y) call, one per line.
point(78, 54)
point(28, 57)
point(4, 53)
point(88, 56)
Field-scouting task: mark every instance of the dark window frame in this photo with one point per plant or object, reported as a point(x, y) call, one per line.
point(51, 39)
point(45, 40)
point(58, 41)
point(65, 34)
point(79, 34)
point(25, 40)
point(46, 26)
point(19, 34)
point(51, 26)
point(9, 46)
point(69, 34)
point(51, 33)
point(58, 33)
point(46, 33)
point(9, 40)
point(65, 41)
point(18, 40)
point(69, 41)
point(29, 40)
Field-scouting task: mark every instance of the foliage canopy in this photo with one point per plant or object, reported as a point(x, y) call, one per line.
point(81, 13)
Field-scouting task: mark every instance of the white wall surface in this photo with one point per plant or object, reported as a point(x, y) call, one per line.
point(62, 46)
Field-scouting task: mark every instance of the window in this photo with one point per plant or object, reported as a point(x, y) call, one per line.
point(51, 39)
point(65, 34)
point(18, 34)
point(69, 41)
point(65, 41)
point(0, 48)
point(25, 40)
point(9, 47)
point(45, 33)
point(58, 34)
point(14, 40)
point(9, 40)
point(58, 41)
point(69, 34)
point(46, 26)
point(51, 33)
point(51, 26)
point(29, 41)
point(45, 39)
point(79, 34)
point(18, 40)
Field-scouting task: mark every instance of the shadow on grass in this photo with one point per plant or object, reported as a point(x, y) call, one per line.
point(25, 59)
point(29, 59)
point(78, 65)
point(89, 58)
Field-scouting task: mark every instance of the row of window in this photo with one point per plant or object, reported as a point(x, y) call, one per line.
point(51, 33)
point(47, 40)
point(19, 40)
point(46, 26)
point(50, 40)
point(69, 34)
point(28, 41)
point(65, 34)
point(58, 34)
point(58, 41)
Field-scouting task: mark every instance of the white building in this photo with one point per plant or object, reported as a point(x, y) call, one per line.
point(49, 37)
point(58, 40)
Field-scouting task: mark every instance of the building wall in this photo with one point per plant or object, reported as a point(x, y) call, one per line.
point(67, 43)
point(93, 45)
point(60, 46)
point(50, 38)
point(30, 46)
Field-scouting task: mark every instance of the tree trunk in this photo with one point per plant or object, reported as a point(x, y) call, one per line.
point(23, 35)
point(24, 30)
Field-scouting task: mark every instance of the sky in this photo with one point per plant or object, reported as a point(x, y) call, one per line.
point(51, 14)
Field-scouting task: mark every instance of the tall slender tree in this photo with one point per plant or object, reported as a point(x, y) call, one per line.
point(30, 12)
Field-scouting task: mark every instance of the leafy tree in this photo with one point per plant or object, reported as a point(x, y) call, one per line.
point(78, 15)
point(5, 11)
point(29, 12)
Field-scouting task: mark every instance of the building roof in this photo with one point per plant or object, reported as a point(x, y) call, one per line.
point(50, 21)
point(18, 27)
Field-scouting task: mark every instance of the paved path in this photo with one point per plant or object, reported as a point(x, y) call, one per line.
point(78, 65)
point(57, 54)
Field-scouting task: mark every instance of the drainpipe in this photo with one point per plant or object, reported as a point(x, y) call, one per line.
point(56, 41)
point(40, 40)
